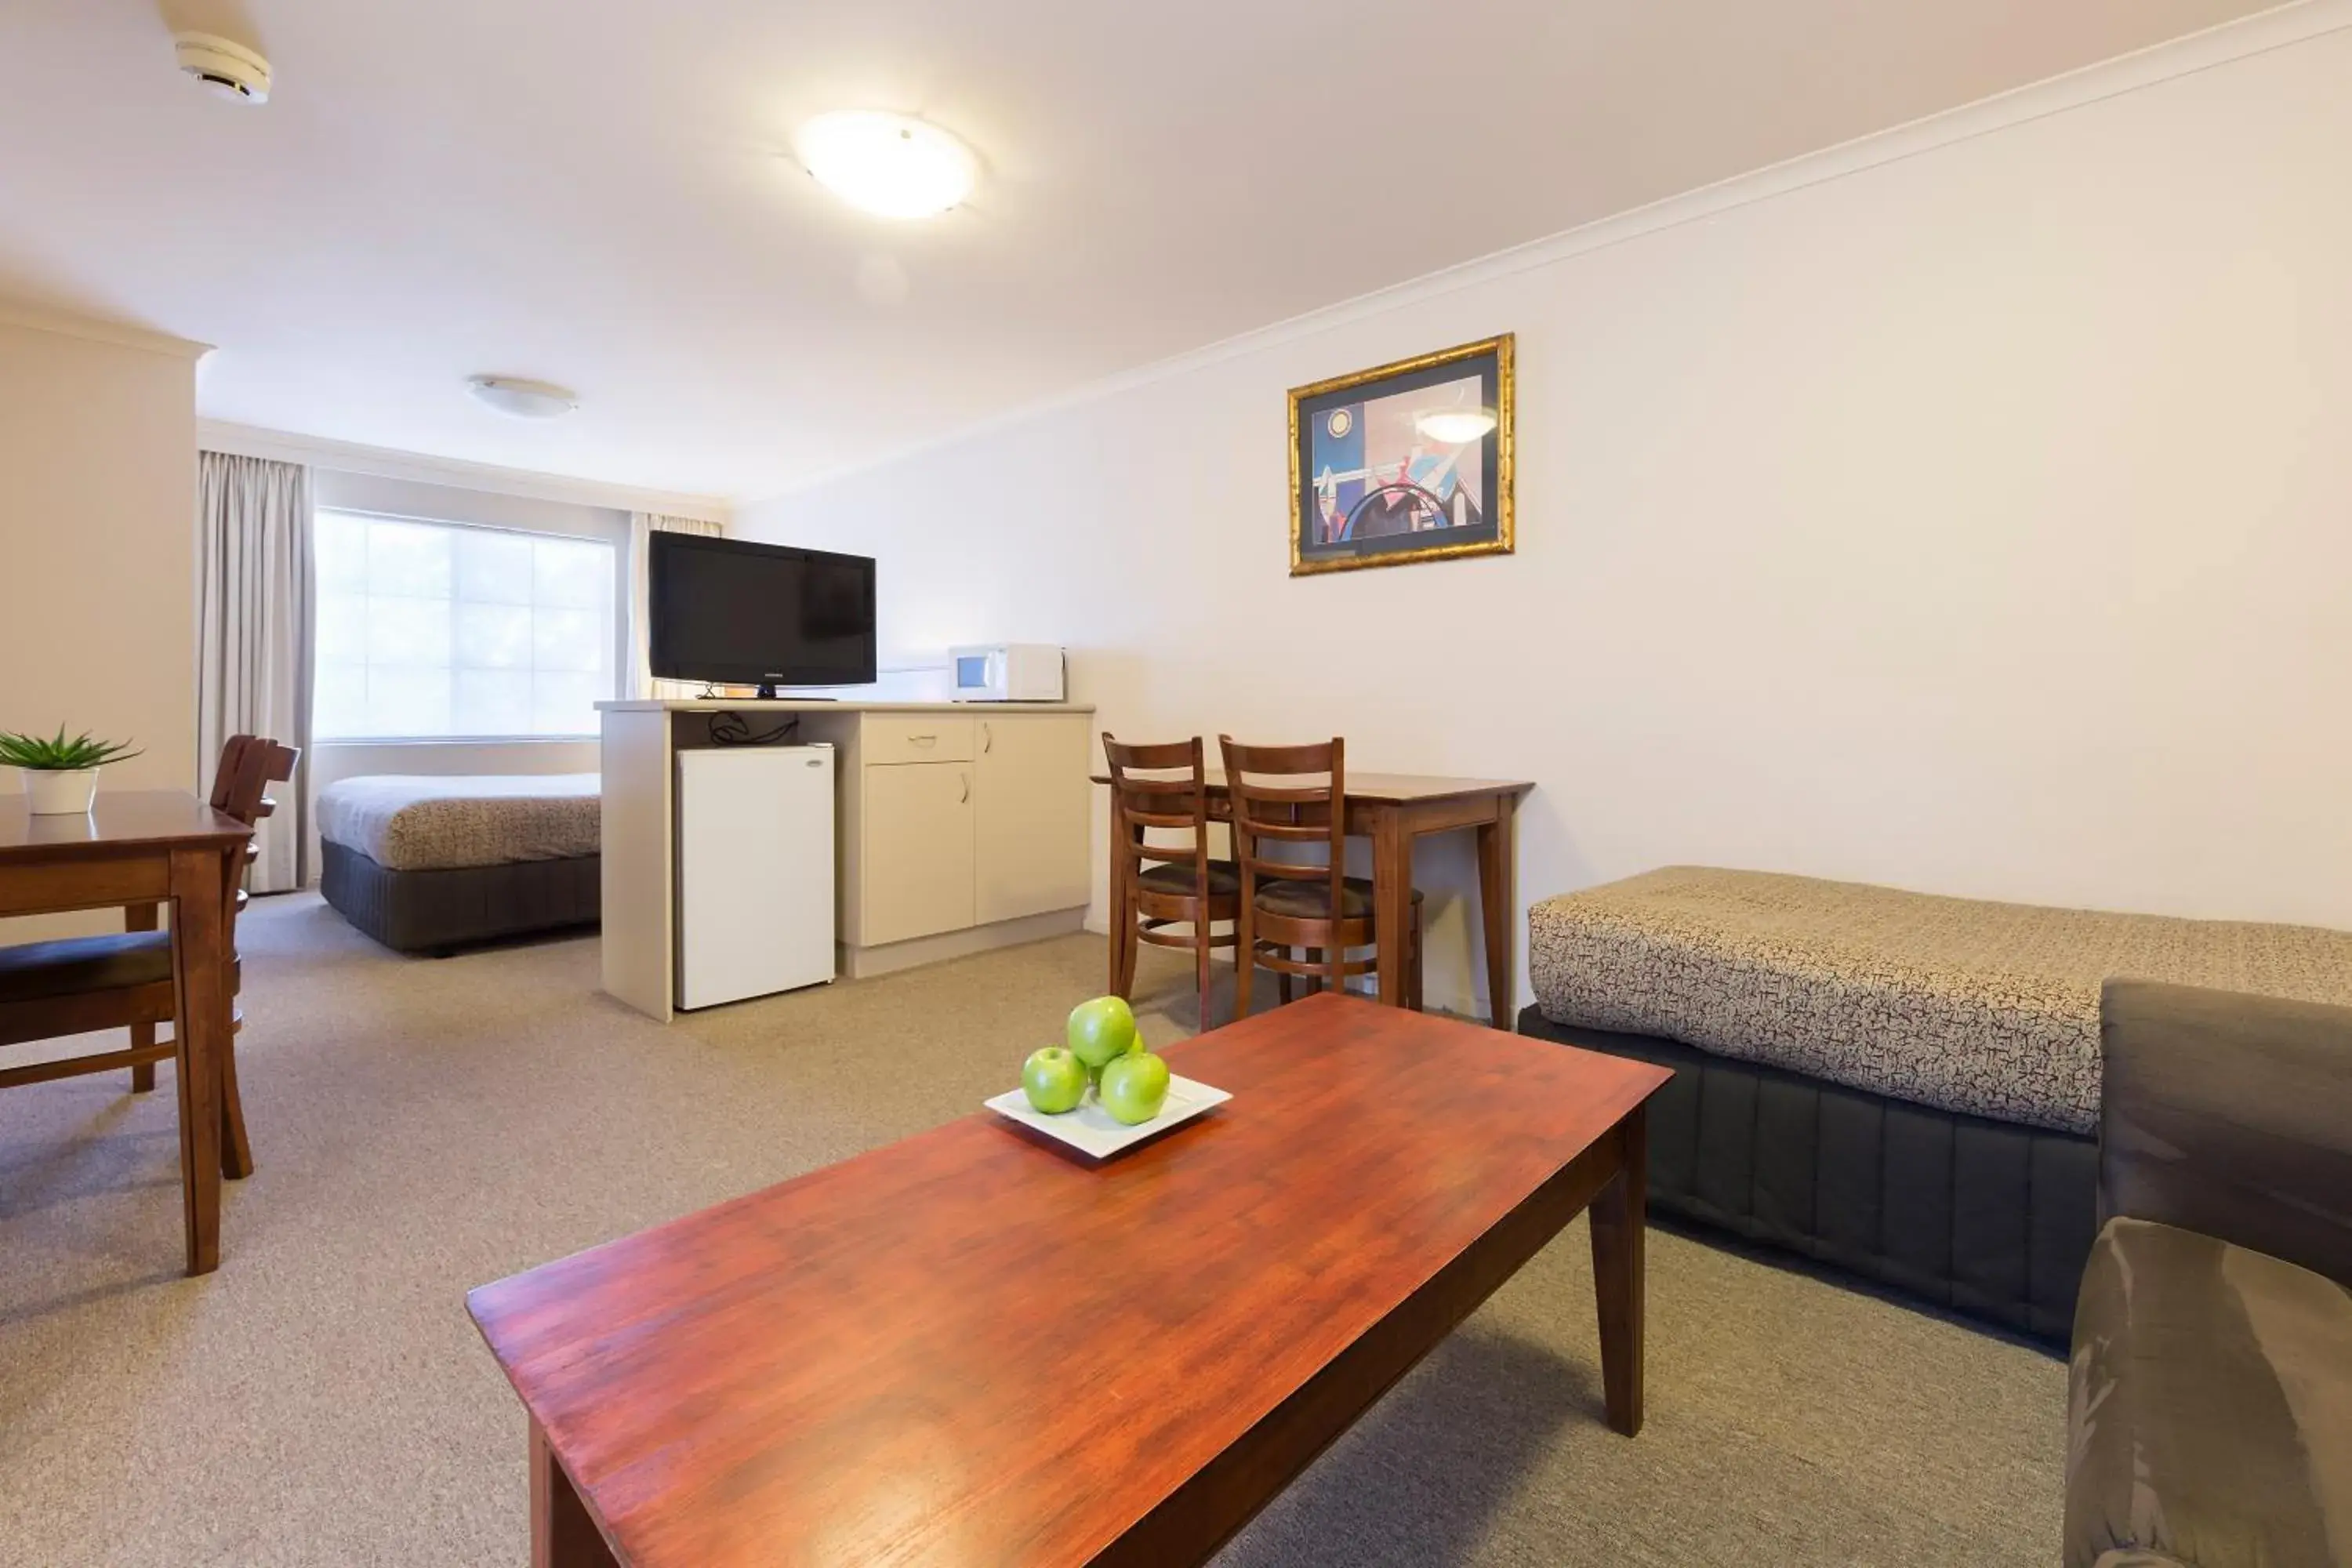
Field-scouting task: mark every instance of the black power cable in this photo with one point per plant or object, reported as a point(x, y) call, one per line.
point(731, 729)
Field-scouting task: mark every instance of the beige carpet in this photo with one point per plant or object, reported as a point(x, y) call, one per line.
point(424, 1126)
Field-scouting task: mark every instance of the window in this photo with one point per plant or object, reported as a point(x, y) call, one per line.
point(431, 630)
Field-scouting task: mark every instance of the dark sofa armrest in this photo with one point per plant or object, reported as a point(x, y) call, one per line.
point(2230, 1115)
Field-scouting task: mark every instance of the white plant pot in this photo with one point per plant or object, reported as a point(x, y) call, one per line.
point(59, 792)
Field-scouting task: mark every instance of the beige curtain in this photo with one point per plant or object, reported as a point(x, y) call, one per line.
point(254, 624)
point(643, 526)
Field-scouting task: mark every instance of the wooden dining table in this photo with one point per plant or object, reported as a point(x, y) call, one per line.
point(1392, 810)
point(143, 847)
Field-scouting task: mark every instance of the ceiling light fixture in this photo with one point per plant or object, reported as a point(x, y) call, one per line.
point(524, 399)
point(892, 165)
point(223, 66)
point(1455, 427)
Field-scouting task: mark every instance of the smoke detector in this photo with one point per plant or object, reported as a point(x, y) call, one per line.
point(227, 68)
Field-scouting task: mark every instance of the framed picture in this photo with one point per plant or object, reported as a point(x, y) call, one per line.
point(1408, 462)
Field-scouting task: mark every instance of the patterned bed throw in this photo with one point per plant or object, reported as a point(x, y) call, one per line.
point(407, 822)
point(1990, 1009)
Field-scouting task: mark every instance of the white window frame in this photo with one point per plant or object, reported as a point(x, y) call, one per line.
point(616, 655)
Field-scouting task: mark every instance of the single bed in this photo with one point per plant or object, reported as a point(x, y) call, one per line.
point(432, 863)
point(1902, 1085)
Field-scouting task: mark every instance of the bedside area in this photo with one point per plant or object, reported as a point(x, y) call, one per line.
point(957, 828)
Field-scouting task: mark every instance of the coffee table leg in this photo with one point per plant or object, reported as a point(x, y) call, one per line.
point(561, 1533)
point(1617, 1256)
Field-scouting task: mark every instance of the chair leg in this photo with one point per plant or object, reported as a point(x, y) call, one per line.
point(1201, 951)
point(142, 917)
point(237, 1150)
point(1122, 919)
point(1282, 981)
point(1245, 955)
point(1124, 955)
point(142, 1076)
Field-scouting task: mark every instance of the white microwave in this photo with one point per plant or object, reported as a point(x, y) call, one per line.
point(1007, 672)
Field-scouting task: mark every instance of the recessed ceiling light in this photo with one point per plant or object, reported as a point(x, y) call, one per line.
point(892, 165)
point(524, 399)
point(1455, 427)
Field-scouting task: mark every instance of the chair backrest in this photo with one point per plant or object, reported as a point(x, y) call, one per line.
point(1175, 798)
point(1289, 795)
point(249, 764)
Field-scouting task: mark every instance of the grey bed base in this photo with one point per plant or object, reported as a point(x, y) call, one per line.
point(437, 912)
point(1989, 1219)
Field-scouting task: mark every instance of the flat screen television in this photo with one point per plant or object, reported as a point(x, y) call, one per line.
point(758, 614)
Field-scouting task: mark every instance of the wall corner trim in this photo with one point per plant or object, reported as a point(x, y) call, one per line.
point(91, 328)
point(2297, 22)
point(385, 462)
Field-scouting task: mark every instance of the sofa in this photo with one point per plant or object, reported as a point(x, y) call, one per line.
point(2210, 1383)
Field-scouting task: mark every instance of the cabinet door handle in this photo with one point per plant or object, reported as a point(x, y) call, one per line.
point(987, 739)
point(965, 798)
point(922, 739)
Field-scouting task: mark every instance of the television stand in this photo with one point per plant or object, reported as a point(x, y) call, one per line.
point(956, 829)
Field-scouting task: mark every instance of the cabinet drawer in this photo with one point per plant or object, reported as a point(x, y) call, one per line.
point(915, 738)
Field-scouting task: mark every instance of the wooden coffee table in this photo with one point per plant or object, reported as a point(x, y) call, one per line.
point(971, 1347)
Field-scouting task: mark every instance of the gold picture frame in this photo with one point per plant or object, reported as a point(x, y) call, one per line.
point(1345, 432)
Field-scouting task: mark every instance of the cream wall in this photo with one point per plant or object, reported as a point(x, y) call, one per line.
point(98, 457)
point(1972, 513)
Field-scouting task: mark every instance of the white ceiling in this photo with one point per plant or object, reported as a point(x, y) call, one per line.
point(593, 192)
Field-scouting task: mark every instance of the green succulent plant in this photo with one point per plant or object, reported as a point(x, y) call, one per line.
point(57, 754)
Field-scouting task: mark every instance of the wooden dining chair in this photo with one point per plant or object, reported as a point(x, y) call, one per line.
point(51, 989)
point(1299, 794)
point(1164, 788)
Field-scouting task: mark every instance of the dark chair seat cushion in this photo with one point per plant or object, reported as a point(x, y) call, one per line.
point(1306, 900)
point(1176, 879)
point(2211, 1406)
point(38, 970)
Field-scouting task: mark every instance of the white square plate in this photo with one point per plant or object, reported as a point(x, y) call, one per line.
point(1094, 1132)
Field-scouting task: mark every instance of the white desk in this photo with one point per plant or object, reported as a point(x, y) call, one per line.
point(959, 828)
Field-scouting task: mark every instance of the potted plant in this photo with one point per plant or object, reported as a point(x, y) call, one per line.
point(60, 775)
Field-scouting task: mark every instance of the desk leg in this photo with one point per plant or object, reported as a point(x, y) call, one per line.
point(1392, 901)
point(1618, 1236)
point(200, 981)
point(562, 1535)
point(1497, 894)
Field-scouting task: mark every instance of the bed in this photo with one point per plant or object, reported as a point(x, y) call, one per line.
point(1902, 1085)
point(433, 864)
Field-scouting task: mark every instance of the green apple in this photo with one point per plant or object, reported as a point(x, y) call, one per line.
point(1134, 1087)
point(1101, 1029)
point(1054, 1079)
point(1093, 1074)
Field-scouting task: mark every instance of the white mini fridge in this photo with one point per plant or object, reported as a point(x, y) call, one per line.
point(754, 871)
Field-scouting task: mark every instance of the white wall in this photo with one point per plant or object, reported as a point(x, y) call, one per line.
point(1975, 515)
point(98, 472)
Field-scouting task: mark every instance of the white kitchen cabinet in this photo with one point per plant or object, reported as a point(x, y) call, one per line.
point(915, 857)
point(1031, 843)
